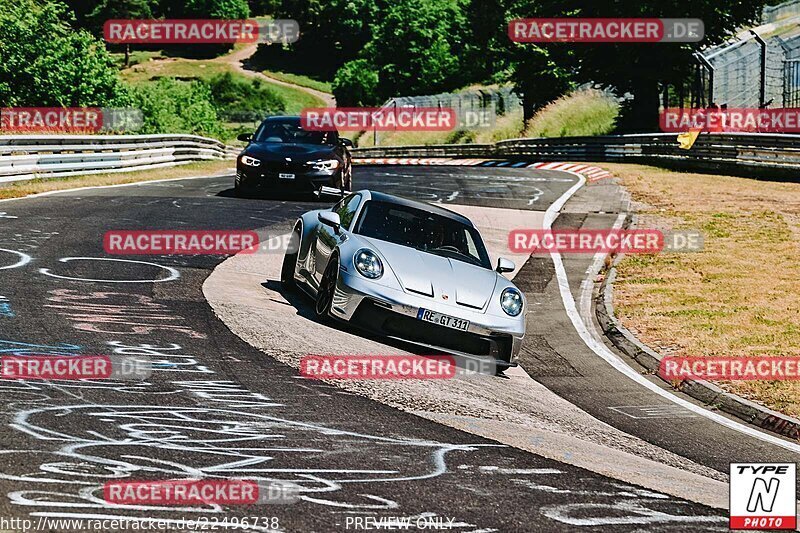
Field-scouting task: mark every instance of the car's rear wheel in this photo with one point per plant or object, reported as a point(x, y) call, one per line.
point(327, 288)
point(290, 261)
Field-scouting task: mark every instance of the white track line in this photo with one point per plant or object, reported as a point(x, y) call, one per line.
point(131, 184)
point(611, 358)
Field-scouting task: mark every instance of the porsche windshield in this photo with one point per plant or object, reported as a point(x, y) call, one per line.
point(422, 230)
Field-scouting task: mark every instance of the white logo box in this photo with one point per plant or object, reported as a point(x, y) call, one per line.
point(763, 496)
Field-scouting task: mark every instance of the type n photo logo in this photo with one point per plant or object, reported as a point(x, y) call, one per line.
point(763, 496)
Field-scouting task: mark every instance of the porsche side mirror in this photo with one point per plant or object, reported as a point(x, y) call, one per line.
point(505, 265)
point(346, 142)
point(244, 137)
point(329, 218)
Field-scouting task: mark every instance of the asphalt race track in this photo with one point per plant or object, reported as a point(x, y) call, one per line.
point(215, 406)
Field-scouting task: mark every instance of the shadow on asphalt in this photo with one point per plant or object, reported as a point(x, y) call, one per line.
point(304, 306)
point(298, 197)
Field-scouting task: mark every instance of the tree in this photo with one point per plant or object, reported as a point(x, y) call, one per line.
point(540, 76)
point(45, 62)
point(204, 9)
point(332, 33)
point(119, 9)
point(417, 46)
point(637, 69)
point(356, 84)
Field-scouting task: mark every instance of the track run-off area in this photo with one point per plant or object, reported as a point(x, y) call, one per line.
point(571, 440)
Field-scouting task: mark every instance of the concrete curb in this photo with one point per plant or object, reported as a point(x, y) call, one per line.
point(705, 392)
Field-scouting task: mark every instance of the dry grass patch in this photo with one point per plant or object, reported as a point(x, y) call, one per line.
point(19, 189)
point(740, 296)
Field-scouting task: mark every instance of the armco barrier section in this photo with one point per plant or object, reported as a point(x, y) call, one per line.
point(766, 155)
point(40, 156)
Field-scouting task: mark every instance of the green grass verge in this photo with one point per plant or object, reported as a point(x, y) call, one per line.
point(301, 80)
point(296, 99)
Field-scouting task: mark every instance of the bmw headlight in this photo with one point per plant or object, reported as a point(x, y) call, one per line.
point(323, 165)
point(511, 302)
point(250, 161)
point(368, 264)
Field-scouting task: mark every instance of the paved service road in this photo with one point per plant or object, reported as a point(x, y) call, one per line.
point(216, 407)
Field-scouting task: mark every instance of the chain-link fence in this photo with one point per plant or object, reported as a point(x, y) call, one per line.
point(473, 109)
point(500, 100)
point(750, 72)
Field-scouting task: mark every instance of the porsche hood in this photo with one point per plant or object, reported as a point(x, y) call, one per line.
point(449, 281)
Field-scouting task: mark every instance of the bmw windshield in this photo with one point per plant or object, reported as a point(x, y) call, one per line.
point(290, 132)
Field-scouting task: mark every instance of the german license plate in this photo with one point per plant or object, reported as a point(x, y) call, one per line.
point(286, 176)
point(447, 321)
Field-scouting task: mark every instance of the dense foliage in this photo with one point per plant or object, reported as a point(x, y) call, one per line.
point(177, 107)
point(425, 46)
point(44, 62)
point(371, 49)
point(242, 100)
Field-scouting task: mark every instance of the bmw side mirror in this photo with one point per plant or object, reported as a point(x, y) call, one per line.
point(346, 142)
point(329, 218)
point(505, 265)
point(244, 137)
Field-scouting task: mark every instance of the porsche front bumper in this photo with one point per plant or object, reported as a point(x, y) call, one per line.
point(393, 313)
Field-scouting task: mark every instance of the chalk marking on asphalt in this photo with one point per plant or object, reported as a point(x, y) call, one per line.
point(591, 338)
point(173, 273)
point(24, 259)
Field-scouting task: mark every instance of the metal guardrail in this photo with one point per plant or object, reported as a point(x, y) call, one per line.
point(39, 156)
point(757, 155)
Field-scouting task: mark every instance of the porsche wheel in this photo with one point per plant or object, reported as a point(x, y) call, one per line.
point(290, 261)
point(327, 287)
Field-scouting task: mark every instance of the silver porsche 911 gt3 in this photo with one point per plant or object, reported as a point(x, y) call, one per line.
point(410, 271)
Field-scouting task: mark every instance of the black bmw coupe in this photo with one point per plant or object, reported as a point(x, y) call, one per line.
point(282, 157)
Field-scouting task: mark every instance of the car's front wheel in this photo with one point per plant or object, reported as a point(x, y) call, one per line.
point(327, 288)
point(290, 261)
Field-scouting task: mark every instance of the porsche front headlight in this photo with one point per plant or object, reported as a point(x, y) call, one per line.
point(368, 264)
point(511, 302)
